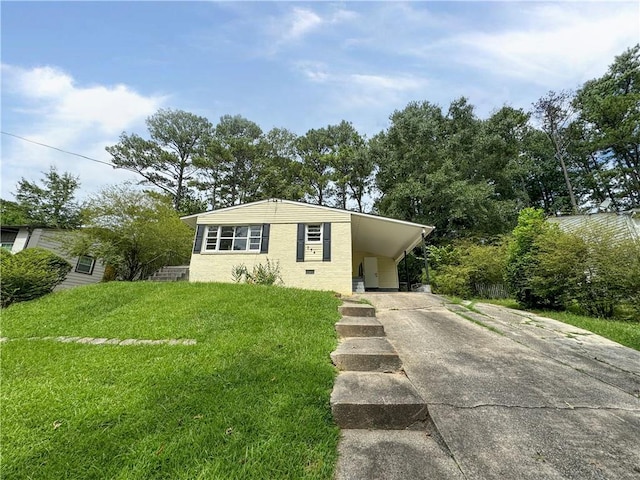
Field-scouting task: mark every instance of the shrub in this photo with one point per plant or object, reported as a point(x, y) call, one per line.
point(611, 267)
point(522, 256)
point(468, 270)
point(30, 274)
point(558, 272)
point(267, 274)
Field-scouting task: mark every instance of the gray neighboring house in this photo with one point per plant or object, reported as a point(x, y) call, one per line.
point(84, 270)
point(623, 225)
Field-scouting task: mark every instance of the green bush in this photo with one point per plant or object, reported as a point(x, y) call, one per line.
point(522, 257)
point(452, 280)
point(558, 270)
point(611, 277)
point(591, 268)
point(267, 274)
point(30, 274)
point(468, 270)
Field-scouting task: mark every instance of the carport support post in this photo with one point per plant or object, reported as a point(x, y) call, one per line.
point(426, 259)
point(406, 271)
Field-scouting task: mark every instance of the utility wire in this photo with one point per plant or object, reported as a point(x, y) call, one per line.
point(56, 148)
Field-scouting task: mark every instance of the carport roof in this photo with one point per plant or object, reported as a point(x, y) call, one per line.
point(382, 236)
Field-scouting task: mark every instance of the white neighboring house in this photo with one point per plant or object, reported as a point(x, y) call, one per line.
point(84, 270)
point(622, 225)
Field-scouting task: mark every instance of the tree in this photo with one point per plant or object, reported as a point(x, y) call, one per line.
point(12, 214)
point(314, 148)
point(555, 112)
point(51, 204)
point(361, 175)
point(281, 175)
point(240, 147)
point(135, 232)
point(166, 160)
point(609, 113)
point(345, 145)
point(430, 170)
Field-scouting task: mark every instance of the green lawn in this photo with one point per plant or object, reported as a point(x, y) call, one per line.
point(623, 332)
point(249, 400)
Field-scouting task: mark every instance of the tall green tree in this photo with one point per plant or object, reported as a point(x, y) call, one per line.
point(315, 151)
point(556, 113)
point(430, 170)
point(240, 148)
point(135, 232)
point(281, 169)
point(165, 160)
point(345, 146)
point(609, 112)
point(50, 203)
point(360, 178)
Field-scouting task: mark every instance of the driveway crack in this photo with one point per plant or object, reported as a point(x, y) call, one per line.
point(532, 407)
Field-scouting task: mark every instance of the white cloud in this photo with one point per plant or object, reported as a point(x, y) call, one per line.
point(357, 90)
point(300, 22)
point(551, 44)
point(53, 109)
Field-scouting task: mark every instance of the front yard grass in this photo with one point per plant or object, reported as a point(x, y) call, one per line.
point(249, 400)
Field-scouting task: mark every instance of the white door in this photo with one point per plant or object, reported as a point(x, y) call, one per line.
point(370, 272)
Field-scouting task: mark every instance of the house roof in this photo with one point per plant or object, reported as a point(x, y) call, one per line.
point(621, 225)
point(373, 234)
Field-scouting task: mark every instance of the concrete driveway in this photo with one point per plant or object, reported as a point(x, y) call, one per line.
point(516, 396)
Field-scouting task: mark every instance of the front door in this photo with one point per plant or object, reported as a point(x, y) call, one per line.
point(371, 272)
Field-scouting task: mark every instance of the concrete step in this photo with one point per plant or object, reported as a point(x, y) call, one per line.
point(359, 327)
point(386, 401)
point(369, 354)
point(350, 309)
point(171, 274)
point(394, 455)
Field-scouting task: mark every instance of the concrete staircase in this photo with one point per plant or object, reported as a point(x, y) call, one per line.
point(371, 390)
point(171, 274)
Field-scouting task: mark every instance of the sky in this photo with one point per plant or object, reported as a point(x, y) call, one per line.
point(75, 75)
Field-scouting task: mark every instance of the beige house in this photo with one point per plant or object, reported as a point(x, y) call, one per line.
point(317, 247)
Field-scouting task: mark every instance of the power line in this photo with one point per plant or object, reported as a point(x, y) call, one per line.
point(56, 148)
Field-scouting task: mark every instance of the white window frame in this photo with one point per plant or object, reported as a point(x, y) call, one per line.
point(93, 264)
point(306, 233)
point(213, 235)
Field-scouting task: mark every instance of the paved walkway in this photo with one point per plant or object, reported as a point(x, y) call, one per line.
point(516, 396)
point(111, 341)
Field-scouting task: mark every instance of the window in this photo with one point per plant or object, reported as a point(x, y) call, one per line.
point(314, 233)
point(240, 238)
point(85, 264)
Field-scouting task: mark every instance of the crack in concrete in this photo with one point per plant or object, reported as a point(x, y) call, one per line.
point(532, 407)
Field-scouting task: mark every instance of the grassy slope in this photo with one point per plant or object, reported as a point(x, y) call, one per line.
point(250, 400)
point(625, 333)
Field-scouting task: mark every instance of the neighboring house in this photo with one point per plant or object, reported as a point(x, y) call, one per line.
point(84, 269)
point(317, 247)
point(622, 225)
